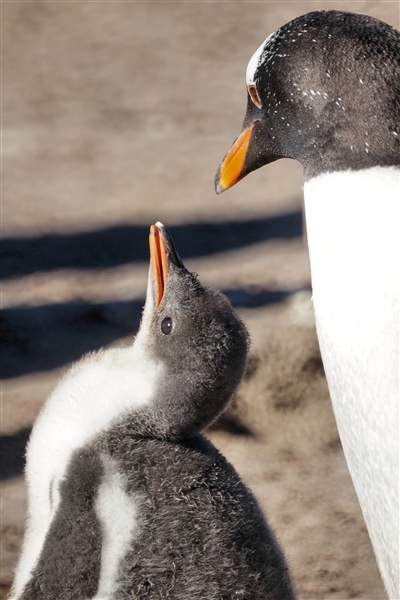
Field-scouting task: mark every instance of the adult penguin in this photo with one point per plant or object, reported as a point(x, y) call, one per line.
point(324, 89)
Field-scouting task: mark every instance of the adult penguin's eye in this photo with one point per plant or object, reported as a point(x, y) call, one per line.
point(166, 325)
point(254, 95)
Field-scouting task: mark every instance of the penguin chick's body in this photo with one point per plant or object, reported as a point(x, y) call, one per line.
point(126, 498)
point(324, 89)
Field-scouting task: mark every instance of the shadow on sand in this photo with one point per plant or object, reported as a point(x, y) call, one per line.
point(124, 244)
point(12, 453)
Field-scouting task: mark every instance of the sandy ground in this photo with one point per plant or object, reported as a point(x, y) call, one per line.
point(116, 115)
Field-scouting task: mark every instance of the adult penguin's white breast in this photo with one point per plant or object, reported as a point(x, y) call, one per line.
point(353, 235)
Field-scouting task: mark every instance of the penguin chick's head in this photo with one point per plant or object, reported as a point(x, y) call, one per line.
point(323, 89)
point(193, 333)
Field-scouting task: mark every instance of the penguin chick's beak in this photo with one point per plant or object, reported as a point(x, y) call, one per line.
point(162, 252)
point(231, 169)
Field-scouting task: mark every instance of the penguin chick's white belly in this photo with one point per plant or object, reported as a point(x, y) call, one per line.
point(353, 235)
point(95, 393)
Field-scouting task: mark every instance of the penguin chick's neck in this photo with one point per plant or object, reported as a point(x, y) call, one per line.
point(202, 358)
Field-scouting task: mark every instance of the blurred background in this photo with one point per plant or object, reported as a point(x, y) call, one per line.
point(116, 115)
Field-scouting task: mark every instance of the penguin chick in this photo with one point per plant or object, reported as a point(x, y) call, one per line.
point(126, 498)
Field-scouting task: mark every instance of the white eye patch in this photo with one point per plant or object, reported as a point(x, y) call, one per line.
point(256, 60)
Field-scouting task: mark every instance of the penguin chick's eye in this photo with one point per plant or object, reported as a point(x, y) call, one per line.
point(166, 325)
point(254, 94)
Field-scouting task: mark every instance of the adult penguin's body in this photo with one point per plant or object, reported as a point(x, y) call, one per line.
point(126, 498)
point(325, 89)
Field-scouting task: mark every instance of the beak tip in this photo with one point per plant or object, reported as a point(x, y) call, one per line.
point(219, 188)
point(218, 185)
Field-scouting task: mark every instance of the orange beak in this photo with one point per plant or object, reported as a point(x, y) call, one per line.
point(231, 168)
point(158, 261)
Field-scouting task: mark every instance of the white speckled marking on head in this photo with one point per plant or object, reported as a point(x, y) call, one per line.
point(256, 59)
point(117, 513)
